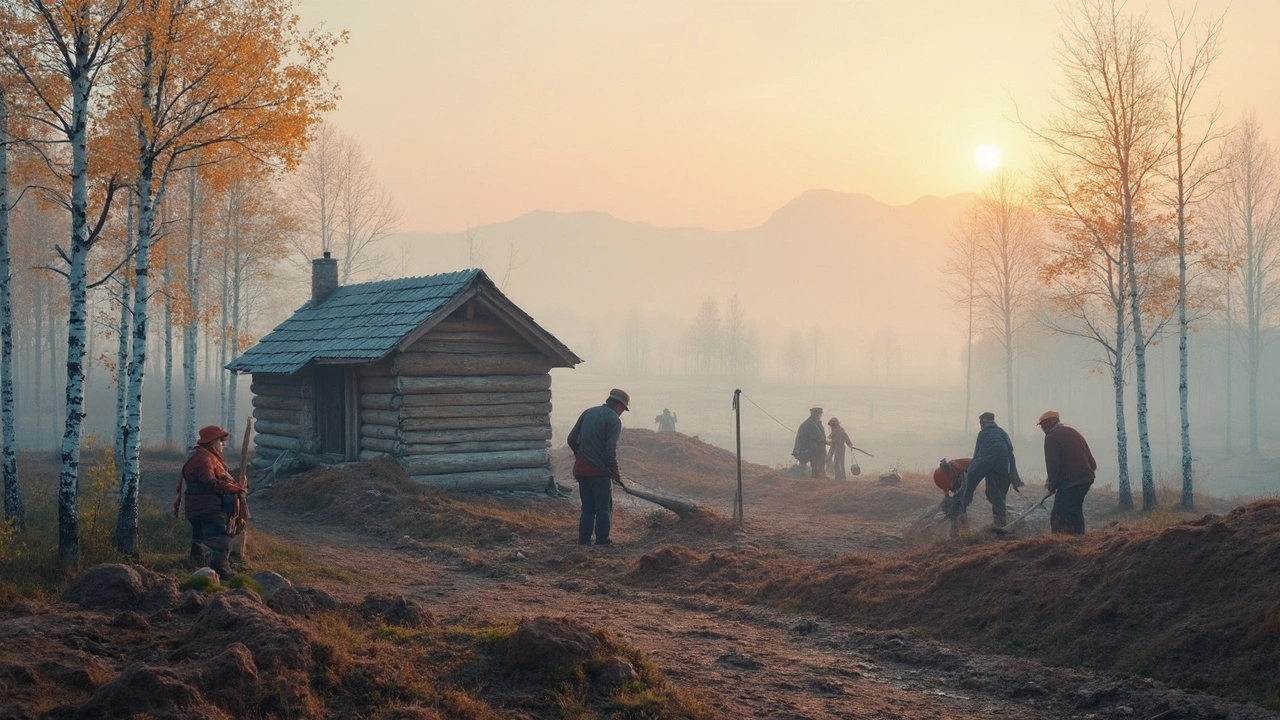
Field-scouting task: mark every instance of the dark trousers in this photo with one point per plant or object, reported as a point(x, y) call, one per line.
point(210, 532)
point(1067, 515)
point(597, 508)
point(818, 461)
point(997, 490)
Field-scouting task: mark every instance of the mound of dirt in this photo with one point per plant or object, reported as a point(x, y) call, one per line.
point(687, 466)
point(378, 499)
point(1197, 604)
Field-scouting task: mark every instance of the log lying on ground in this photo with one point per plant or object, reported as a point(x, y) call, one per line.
point(515, 479)
point(443, 463)
point(683, 507)
point(484, 383)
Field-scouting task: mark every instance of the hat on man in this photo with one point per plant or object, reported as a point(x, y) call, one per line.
point(621, 397)
point(987, 417)
point(815, 409)
point(1048, 415)
point(210, 433)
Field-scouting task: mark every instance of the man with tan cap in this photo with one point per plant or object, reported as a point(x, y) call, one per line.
point(594, 442)
point(1069, 467)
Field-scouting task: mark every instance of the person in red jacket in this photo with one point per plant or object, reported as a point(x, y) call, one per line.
point(1070, 468)
point(212, 496)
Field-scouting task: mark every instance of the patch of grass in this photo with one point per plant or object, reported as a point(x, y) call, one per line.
point(201, 583)
point(268, 552)
point(396, 635)
point(241, 580)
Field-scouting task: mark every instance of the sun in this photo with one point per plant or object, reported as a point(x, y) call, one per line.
point(987, 157)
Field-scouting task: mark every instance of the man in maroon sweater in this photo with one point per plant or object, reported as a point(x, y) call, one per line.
point(1070, 469)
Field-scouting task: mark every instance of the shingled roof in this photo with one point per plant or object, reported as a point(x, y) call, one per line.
point(364, 323)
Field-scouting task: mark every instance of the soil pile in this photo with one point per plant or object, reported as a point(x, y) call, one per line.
point(378, 499)
point(1197, 604)
point(685, 465)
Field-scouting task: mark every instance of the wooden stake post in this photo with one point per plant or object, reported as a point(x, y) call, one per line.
point(737, 427)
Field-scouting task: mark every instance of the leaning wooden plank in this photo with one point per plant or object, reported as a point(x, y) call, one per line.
point(474, 446)
point(386, 432)
point(266, 440)
point(473, 462)
point(284, 391)
point(495, 398)
point(272, 402)
point(391, 447)
point(380, 417)
point(515, 479)
point(480, 383)
point(455, 364)
point(414, 423)
point(283, 429)
point(451, 436)
point(473, 411)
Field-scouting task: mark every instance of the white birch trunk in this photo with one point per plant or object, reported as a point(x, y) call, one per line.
point(1140, 362)
point(77, 287)
point(13, 510)
point(168, 345)
point(195, 256)
point(122, 332)
point(233, 379)
point(224, 378)
point(1124, 490)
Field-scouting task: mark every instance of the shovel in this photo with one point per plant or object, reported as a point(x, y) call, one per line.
point(1021, 519)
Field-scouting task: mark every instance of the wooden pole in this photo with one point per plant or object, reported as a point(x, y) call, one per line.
point(737, 427)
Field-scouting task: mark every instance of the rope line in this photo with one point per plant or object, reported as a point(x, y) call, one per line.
point(766, 412)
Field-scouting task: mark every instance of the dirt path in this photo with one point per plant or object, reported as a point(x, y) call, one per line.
point(747, 662)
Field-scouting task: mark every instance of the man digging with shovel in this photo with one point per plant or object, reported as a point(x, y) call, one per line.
point(594, 442)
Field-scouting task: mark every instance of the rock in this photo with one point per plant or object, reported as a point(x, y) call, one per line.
point(516, 556)
point(209, 574)
point(805, 627)
point(130, 620)
point(551, 642)
point(148, 691)
point(397, 610)
point(191, 602)
point(617, 671)
point(1124, 710)
point(288, 601)
point(121, 587)
point(270, 582)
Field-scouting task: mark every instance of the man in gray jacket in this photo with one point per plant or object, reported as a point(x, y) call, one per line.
point(994, 462)
point(594, 442)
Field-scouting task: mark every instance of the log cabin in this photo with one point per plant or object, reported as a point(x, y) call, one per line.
point(443, 373)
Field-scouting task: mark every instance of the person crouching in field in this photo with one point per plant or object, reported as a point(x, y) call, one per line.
point(212, 497)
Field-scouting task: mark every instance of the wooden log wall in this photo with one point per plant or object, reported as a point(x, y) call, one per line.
point(282, 415)
point(466, 407)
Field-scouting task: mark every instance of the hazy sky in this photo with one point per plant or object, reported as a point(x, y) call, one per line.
point(712, 113)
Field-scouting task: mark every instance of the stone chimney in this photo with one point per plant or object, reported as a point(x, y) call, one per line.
point(324, 277)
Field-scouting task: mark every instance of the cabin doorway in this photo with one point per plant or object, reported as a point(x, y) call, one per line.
point(331, 410)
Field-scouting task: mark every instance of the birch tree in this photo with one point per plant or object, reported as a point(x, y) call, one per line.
point(1188, 56)
point(342, 207)
point(59, 51)
point(204, 75)
point(962, 270)
point(1250, 216)
point(13, 510)
point(1111, 125)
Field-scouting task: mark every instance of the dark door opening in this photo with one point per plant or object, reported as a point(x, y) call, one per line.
point(331, 410)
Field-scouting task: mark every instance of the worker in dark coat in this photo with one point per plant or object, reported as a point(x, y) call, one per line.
point(1070, 470)
point(594, 442)
point(811, 444)
point(666, 421)
point(993, 461)
point(212, 498)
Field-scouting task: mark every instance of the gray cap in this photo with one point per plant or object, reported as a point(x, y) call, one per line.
point(622, 397)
